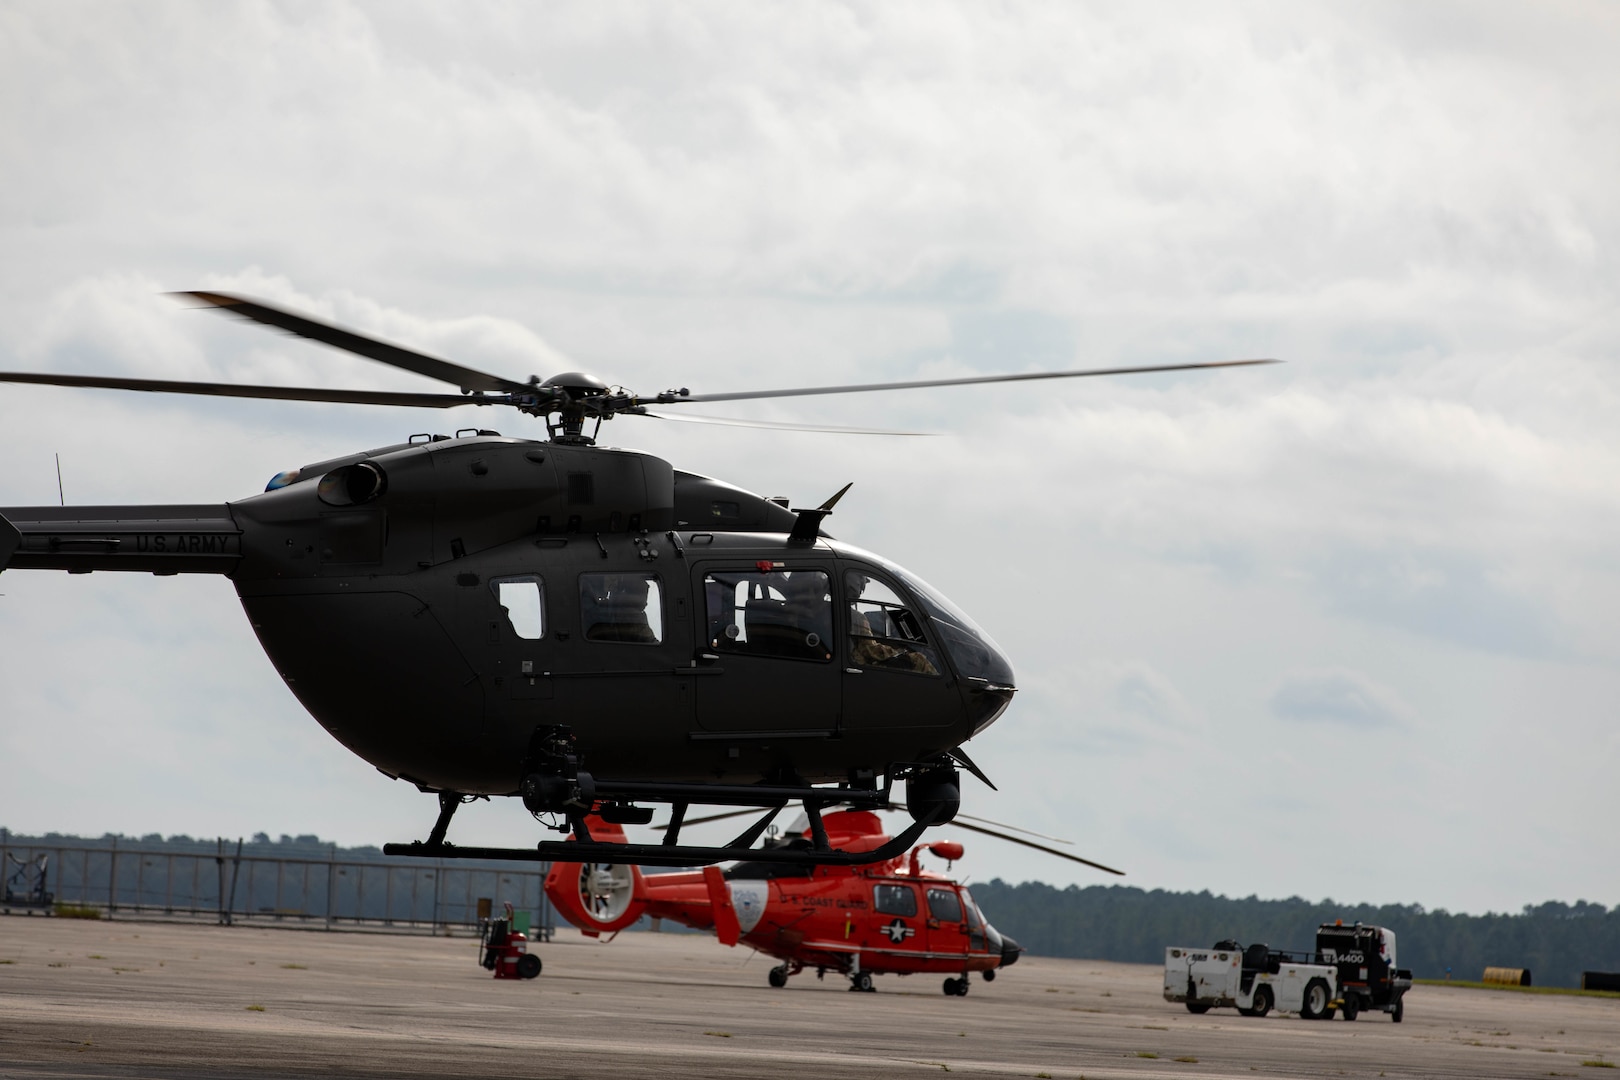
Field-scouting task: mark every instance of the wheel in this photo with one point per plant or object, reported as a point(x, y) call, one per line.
point(528, 966)
point(1398, 1011)
point(1197, 1008)
point(1314, 1004)
point(1352, 1006)
point(778, 976)
point(1263, 1002)
point(990, 976)
point(862, 981)
point(950, 987)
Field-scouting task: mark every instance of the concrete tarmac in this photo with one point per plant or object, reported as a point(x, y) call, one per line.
point(133, 1000)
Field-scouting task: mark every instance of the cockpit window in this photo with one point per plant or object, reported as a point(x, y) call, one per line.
point(522, 598)
point(883, 632)
point(973, 914)
point(784, 613)
point(981, 935)
point(944, 905)
point(973, 651)
point(621, 607)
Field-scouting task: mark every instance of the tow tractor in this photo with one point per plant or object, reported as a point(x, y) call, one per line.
point(1365, 959)
point(1353, 970)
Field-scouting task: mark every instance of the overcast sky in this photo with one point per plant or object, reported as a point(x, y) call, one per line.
point(1341, 628)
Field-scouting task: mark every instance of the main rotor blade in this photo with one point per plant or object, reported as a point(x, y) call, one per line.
point(279, 393)
point(975, 380)
point(831, 429)
point(372, 349)
point(1038, 847)
point(894, 808)
point(1004, 825)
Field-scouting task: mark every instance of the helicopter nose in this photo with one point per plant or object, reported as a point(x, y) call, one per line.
point(988, 682)
point(986, 702)
point(1010, 951)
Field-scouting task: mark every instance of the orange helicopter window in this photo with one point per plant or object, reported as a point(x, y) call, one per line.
point(944, 905)
point(894, 900)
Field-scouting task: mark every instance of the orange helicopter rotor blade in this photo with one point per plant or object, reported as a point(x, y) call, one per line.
point(1037, 847)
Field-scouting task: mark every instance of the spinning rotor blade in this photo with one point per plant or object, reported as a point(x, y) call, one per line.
point(372, 349)
point(959, 823)
point(974, 380)
point(1038, 847)
point(958, 820)
point(281, 393)
point(777, 424)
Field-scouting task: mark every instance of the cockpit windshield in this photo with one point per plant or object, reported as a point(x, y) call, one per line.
point(976, 654)
point(977, 923)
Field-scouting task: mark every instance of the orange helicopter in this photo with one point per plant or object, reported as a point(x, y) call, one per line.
point(889, 917)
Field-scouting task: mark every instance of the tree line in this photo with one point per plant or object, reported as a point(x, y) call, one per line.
point(1556, 941)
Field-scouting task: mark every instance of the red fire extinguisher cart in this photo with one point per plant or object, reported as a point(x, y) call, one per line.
point(506, 952)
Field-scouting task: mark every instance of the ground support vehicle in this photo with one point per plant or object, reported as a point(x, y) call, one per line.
point(1254, 980)
point(1353, 970)
point(1364, 957)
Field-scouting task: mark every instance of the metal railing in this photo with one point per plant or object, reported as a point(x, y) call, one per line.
point(231, 887)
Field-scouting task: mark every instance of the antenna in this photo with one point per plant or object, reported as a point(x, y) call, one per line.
point(59, 493)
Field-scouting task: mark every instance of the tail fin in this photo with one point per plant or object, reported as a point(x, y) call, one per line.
point(726, 926)
point(598, 897)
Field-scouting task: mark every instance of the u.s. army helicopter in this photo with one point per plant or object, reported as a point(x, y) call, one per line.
point(584, 628)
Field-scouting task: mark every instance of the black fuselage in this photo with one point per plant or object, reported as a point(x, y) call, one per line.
point(433, 604)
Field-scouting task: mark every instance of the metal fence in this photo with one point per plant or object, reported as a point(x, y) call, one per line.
point(228, 886)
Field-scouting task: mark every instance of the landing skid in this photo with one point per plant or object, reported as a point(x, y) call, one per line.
point(666, 854)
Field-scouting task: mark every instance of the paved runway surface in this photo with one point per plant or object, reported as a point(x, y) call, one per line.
point(132, 1000)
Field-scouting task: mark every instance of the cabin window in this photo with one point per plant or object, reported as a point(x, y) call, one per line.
point(625, 608)
point(523, 599)
point(944, 905)
point(784, 613)
point(883, 632)
point(894, 900)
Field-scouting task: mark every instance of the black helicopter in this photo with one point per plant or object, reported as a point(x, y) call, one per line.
point(585, 628)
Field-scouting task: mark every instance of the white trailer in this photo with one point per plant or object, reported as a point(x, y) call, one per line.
point(1252, 981)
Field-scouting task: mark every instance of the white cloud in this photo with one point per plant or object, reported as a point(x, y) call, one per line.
point(1344, 698)
point(1414, 207)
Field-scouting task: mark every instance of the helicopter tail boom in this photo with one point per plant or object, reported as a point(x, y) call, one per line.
point(141, 539)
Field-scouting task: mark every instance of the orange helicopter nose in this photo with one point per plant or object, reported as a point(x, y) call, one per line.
point(1010, 950)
